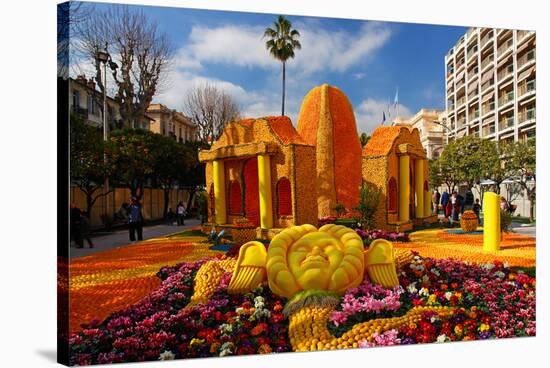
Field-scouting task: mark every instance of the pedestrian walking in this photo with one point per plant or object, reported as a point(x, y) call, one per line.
point(85, 230)
point(435, 201)
point(74, 224)
point(468, 200)
point(181, 212)
point(477, 210)
point(453, 208)
point(444, 201)
point(135, 219)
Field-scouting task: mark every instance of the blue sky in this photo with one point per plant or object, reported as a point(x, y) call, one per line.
point(367, 60)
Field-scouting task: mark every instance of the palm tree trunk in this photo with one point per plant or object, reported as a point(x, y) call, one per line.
point(284, 78)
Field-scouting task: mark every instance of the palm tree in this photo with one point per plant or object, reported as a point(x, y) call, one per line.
point(281, 43)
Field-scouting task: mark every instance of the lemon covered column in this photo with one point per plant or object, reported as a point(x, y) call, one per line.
point(491, 222)
point(419, 188)
point(219, 192)
point(264, 186)
point(404, 190)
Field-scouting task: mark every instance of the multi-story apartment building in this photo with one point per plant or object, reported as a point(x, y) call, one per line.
point(87, 102)
point(430, 125)
point(490, 84)
point(171, 123)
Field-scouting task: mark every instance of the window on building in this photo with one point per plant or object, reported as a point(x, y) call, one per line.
point(76, 99)
point(392, 195)
point(284, 197)
point(235, 198)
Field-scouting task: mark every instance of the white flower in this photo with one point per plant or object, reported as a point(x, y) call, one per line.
point(433, 319)
point(259, 302)
point(442, 338)
point(448, 295)
point(225, 349)
point(412, 288)
point(488, 266)
point(239, 310)
point(424, 292)
point(226, 329)
point(500, 274)
point(425, 279)
point(506, 265)
point(167, 355)
point(435, 271)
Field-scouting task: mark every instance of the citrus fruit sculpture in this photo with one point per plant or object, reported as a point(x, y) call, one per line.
point(311, 268)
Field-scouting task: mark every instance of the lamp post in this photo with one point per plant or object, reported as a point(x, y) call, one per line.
point(103, 57)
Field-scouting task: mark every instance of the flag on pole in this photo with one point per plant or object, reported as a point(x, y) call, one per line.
point(383, 117)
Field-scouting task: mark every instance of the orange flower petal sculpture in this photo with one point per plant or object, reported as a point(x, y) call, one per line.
point(326, 120)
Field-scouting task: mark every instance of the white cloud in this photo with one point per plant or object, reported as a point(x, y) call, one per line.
point(368, 114)
point(322, 49)
point(359, 76)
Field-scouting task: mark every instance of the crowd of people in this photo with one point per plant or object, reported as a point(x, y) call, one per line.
point(130, 214)
point(453, 205)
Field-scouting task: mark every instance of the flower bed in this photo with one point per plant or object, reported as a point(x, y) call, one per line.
point(370, 235)
point(482, 301)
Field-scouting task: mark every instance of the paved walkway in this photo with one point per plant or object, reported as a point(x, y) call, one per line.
point(118, 238)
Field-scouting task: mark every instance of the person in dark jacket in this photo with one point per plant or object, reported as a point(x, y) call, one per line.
point(477, 210)
point(135, 219)
point(468, 201)
point(85, 230)
point(74, 228)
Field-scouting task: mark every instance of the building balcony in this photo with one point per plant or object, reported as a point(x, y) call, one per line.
point(506, 122)
point(527, 116)
point(460, 102)
point(527, 59)
point(485, 40)
point(471, 32)
point(473, 115)
point(505, 99)
point(527, 88)
point(505, 48)
point(488, 131)
point(505, 73)
point(473, 95)
point(487, 86)
point(487, 109)
point(523, 35)
point(487, 61)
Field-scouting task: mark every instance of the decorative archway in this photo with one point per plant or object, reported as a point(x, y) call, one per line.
point(284, 197)
point(251, 191)
point(235, 198)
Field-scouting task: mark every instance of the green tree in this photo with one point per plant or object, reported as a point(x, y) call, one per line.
point(193, 180)
point(133, 156)
point(281, 42)
point(364, 139)
point(521, 164)
point(88, 167)
point(172, 160)
point(467, 160)
point(436, 178)
point(369, 196)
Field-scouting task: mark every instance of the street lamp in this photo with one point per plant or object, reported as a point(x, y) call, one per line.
point(103, 57)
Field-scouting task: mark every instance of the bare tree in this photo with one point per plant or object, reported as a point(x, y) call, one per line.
point(210, 109)
point(140, 55)
point(70, 15)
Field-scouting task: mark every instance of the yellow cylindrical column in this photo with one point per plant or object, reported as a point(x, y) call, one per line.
point(491, 222)
point(264, 186)
point(218, 169)
point(404, 190)
point(419, 188)
point(428, 211)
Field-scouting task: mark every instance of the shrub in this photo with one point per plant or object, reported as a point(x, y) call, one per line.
point(369, 196)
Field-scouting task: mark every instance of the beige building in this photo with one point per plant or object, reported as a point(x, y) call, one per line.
point(490, 84)
point(429, 123)
point(171, 123)
point(87, 102)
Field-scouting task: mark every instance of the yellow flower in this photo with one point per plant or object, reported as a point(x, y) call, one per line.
point(484, 327)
